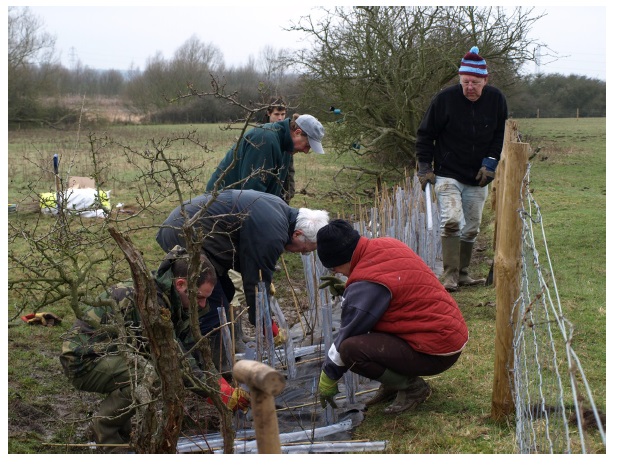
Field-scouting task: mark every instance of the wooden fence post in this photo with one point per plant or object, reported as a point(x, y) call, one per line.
point(507, 268)
point(510, 135)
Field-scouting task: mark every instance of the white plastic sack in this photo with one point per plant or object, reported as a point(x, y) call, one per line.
point(81, 202)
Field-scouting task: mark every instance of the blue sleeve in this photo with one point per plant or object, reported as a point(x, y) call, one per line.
point(363, 305)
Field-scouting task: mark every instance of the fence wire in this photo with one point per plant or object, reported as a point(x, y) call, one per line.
point(555, 410)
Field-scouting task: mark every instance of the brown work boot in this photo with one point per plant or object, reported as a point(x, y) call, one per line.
point(384, 393)
point(411, 397)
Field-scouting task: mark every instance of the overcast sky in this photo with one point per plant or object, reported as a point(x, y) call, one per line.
point(120, 36)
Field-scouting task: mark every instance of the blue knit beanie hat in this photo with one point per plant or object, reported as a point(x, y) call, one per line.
point(473, 64)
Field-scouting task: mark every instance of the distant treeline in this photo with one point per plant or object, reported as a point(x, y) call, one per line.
point(149, 93)
point(557, 96)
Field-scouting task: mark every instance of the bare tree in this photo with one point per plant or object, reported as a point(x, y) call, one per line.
point(29, 44)
point(29, 47)
point(198, 57)
point(380, 66)
point(66, 258)
point(273, 65)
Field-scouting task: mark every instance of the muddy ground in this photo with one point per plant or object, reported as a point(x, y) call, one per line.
point(45, 411)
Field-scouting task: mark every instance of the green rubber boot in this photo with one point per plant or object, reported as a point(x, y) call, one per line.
point(388, 389)
point(451, 250)
point(113, 419)
point(465, 258)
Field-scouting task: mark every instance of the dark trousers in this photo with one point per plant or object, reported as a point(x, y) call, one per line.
point(371, 354)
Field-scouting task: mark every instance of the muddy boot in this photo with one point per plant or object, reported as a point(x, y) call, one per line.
point(113, 419)
point(391, 382)
point(450, 248)
point(417, 392)
point(465, 258)
point(383, 394)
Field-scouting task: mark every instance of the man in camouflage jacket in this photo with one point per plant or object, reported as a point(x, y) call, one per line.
point(97, 348)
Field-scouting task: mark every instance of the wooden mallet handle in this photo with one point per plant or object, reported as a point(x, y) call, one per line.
point(264, 383)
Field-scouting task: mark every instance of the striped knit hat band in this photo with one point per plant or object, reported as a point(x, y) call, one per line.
point(473, 64)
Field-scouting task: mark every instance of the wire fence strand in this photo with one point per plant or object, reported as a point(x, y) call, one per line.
point(554, 405)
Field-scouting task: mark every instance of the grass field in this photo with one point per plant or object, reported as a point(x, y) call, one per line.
point(569, 180)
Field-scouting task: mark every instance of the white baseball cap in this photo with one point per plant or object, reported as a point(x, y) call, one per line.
point(314, 130)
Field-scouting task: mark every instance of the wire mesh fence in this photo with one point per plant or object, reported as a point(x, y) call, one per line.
point(555, 410)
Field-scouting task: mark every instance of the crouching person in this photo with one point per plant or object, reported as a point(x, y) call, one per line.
point(91, 353)
point(398, 323)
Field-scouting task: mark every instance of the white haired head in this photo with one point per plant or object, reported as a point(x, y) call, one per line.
point(311, 221)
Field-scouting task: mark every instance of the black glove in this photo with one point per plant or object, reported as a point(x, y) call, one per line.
point(487, 173)
point(335, 285)
point(425, 174)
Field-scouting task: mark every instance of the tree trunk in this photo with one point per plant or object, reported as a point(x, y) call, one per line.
point(158, 434)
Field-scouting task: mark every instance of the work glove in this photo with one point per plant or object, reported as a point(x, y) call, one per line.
point(45, 319)
point(487, 173)
point(239, 400)
point(272, 290)
point(234, 398)
point(328, 388)
point(425, 174)
point(280, 336)
point(334, 284)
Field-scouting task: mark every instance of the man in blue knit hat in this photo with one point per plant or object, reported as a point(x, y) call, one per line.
point(458, 147)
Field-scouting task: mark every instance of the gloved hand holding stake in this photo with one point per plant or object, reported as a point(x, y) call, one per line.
point(335, 285)
point(234, 398)
point(328, 388)
point(280, 335)
point(425, 174)
point(487, 172)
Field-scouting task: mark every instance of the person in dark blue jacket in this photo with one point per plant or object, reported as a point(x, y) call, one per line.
point(243, 230)
point(458, 147)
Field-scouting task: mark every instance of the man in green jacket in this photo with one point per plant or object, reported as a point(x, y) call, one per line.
point(95, 357)
point(260, 161)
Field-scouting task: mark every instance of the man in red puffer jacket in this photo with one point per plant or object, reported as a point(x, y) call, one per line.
point(397, 323)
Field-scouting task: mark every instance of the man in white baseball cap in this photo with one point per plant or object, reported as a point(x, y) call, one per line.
point(261, 159)
point(314, 131)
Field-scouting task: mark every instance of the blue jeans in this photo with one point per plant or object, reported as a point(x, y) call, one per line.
point(460, 208)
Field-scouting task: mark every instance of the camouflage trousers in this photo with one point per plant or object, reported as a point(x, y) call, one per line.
point(111, 375)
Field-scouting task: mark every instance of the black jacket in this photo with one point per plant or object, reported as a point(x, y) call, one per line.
point(242, 230)
point(456, 133)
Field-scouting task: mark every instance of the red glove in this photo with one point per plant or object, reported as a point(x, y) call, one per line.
point(234, 398)
point(45, 319)
point(280, 336)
